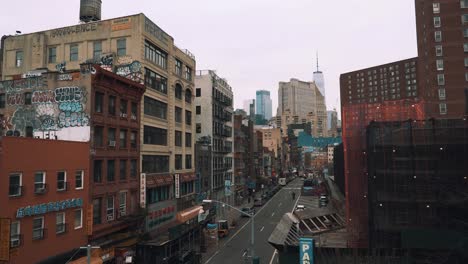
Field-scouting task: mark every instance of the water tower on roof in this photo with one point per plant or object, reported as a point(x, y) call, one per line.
point(90, 10)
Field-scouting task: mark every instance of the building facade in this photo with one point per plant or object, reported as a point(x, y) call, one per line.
point(442, 31)
point(249, 108)
point(332, 123)
point(214, 119)
point(263, 104)
point(45, 199)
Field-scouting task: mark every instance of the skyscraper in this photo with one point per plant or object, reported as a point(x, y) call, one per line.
point(319, 79)
point(249, 108)
point(264, 104)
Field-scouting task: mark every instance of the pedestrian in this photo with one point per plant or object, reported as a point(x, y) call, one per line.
point(293, 194)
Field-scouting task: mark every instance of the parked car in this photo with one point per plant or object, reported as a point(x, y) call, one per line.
point(248, 210)
point(323, 200)
point(300, 207)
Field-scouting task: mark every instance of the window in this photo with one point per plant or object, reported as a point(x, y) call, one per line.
point(188, 117)
point(39, 182)
point(121, 47)
point(178, 162)
point(198, 128)
point(155, 164)
point(188, 73)
point(2, 101)
point(178, 114)
point(465, 32)
point(61, 181)
point(464, 3)
point(188, 140)
point(158, 194)
point(123, 170)
point(443, 108)
point(52, 55)
point(155, 55)
point(438, 36)
point(38, 228)
point(123, 108)
point(155, 81)
point(436, 22)
point(440, 64)
point(188, 96)
point(60, 223)
point(178, 91)
point(74, 52)
point(97, 171)
point(29, 131)
point(188, 161)
point(439, 50)
point(133, 168)
point(440, 79)
point(98, 102)
point(134, 110)
point(79, 177)
point(178, 139)
point(110, 208)
point(198, 110)
point(15, 187)
point(198, 92)
point(436, 8)
point(464, 19)
point(27, 98)
point(111, 136)
point(97, 206)
point(19, 59)
point(15, 234)
point(465, 47)
point(110, 170)
point(155, 136)
point(98, 136)
point(133, 139)
point(186, 188)
point(442, 93)
point(123, 204)
point(111, 106)
point(78, 218)
point(178, 68)
point(466, 62)
point(466, 76)
point(123, 138)
point(97, 49)
point(155, 108)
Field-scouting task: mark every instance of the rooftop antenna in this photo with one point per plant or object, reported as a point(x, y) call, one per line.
point(317, 61)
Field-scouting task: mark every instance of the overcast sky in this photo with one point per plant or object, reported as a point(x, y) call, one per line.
point(254, 44)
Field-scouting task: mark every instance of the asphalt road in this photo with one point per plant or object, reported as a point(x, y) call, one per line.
point(232, 248)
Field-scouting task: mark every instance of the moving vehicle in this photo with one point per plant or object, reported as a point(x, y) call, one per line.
point(300, 207)
point(248, 210)
point(323, 200)
point(223, 228)
point(282, 181)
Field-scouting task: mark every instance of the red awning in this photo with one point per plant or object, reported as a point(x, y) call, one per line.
point(188, 214)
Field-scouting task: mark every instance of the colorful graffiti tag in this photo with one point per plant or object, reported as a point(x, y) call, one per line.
point(130, 71)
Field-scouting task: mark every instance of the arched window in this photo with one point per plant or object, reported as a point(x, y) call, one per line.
point(188, 96)
point(178, 91)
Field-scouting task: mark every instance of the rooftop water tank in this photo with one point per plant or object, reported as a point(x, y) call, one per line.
point(90, 10)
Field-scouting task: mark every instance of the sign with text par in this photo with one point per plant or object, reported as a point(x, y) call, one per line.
point(177, 185)
point(143, 190)
point(306, 250)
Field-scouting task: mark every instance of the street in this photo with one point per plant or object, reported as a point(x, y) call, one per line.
point(232, 248)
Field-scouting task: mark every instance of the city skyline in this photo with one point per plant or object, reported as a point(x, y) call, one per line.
point(213, 53)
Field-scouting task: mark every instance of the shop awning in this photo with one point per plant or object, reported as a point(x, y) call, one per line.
point(188, 214)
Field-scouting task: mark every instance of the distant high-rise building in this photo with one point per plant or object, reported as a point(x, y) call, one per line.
point(332, 123)
point(264, 104)
point(319, 79)
point(249, 108)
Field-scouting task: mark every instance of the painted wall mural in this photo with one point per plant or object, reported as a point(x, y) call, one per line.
point(58, 113)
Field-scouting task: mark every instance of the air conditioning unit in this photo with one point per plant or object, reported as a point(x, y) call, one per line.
point(14, 243)
point(111, 143)
point(110, 217)
point(123, 115)
point(123, 213)
point(40, 190)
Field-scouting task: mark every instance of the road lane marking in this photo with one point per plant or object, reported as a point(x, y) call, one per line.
point(273, 257)
point(273, 214)
point(244, 253)
point(212, 257)
point(263, 227)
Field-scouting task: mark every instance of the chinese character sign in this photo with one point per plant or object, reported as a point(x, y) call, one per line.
point(48, 207)
point(143, 190)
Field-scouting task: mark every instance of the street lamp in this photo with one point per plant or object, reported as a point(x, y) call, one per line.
point(252, 237)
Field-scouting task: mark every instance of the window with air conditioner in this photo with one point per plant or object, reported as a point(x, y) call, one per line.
point(464, 19)
point(19, 59)
point(443, 108)
point(123, 108)
point(436, 8)
point(39, 183)
point(123, 204)
point(110, 209)
point(442, 93)
point(464, 3)
point(440, 64)
point(15, 234)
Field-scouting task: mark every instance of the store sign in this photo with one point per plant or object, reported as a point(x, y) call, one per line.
point(160, 213)
point(143, 190)
point(5, 239)
point(48, 207)
point(177, 185)
point(306, 250)
point(121, 24)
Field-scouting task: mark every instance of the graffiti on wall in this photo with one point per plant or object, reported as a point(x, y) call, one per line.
point(130, 71)
point(13, 86)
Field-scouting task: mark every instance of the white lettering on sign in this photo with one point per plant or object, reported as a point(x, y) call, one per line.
point(143, 190)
